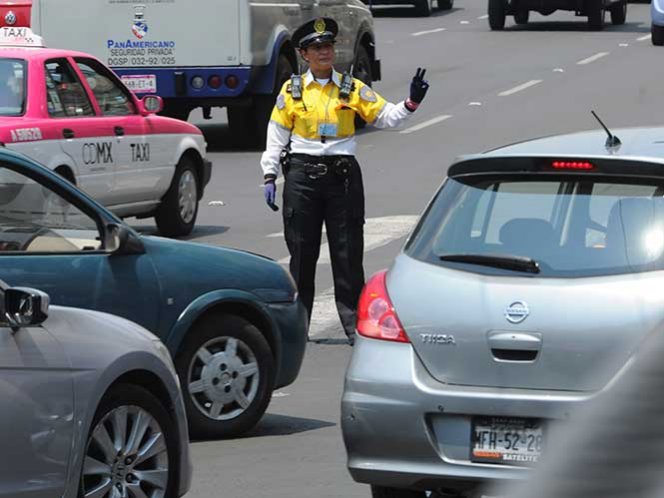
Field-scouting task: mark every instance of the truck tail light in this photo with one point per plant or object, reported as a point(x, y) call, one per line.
point(197, 82)
point(232, 81)
point(214, 82)
point(376, 316)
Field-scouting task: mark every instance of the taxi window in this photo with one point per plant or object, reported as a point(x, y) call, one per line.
point(65, 96)
point(12, 87)
point(112, 98)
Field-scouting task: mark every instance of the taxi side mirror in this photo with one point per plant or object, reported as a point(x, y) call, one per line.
point(151, 104)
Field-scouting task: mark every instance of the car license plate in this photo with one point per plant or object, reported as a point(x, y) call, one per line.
point(140, 83)
point(506, 440)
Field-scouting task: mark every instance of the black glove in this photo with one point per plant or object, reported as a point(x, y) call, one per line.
point(419, 86)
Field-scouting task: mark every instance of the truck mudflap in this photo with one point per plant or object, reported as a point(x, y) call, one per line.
point(376, 74)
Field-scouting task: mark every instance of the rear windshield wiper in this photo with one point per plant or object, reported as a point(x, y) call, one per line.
point(515, 263)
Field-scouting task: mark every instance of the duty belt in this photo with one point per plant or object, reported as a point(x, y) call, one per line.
point(319, 166)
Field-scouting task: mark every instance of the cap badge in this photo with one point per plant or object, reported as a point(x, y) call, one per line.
point(319, 26)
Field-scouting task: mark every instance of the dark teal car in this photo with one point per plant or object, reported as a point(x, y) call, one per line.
point(231, 320)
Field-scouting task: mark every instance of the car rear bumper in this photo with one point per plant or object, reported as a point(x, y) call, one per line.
point(402, 428)
point(291, 319)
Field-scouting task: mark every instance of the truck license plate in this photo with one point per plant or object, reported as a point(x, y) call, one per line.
point(506, 440)
point(140, 83)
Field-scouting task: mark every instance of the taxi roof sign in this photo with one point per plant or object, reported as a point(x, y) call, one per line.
point(19, 37)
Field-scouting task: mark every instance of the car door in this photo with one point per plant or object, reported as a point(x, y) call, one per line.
point(52, 240)
point(36, 419)
point(83, 136)
point(134, 178)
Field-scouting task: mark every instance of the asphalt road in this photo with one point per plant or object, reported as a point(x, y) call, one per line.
point(487, 89)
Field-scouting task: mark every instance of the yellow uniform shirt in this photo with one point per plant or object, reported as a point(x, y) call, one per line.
point(321, 109)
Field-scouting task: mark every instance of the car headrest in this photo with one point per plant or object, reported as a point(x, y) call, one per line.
point(526, 231)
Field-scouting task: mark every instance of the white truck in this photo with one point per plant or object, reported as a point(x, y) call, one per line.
point(206, 53)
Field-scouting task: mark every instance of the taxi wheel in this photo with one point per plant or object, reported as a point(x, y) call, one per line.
point(227, 373)
point(423, 8)
point(657, 35)
point(176, 215)
point(497, 14)
point(362, 71)
point(445, 4)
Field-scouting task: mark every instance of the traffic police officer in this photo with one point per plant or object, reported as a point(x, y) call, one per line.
point(311, 135)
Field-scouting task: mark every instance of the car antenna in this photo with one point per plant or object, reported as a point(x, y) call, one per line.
point(612, 140)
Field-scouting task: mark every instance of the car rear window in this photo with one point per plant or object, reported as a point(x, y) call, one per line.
point(571, 226)
point(12, 87)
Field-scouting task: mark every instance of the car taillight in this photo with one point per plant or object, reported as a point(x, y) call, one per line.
point(376, 316)
point(574, 165)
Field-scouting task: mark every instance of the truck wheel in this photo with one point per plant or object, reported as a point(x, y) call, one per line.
point(249, 124)
point(496, 15)
point(657, 34)
point(618, 13)
point(423, 8)
point(522, 16)
point(176, 215)
point(596, 13)
point(445, 4)
point(362, 71)
point(227, 373)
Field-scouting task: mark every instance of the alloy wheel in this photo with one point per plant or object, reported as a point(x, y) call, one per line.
point(187, 196)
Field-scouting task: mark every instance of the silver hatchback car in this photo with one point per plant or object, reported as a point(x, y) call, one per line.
point(91, 405)
point(534, 266)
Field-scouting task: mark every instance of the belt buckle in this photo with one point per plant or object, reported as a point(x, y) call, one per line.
point(321, 170)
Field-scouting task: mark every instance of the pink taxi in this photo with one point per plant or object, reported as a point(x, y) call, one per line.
point(71, 113)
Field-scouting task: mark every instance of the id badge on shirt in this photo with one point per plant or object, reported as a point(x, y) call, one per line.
point(327, 129)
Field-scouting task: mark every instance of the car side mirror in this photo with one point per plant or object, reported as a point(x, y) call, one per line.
point(120, 240)
point(151, 104)
point(25, 307)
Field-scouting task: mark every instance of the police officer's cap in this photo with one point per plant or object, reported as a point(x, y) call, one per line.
point(317, 31)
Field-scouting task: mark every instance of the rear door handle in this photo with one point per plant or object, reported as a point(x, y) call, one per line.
point(119, 131)
point(68, 133)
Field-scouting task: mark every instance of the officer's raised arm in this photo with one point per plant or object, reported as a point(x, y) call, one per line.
point(375, 110)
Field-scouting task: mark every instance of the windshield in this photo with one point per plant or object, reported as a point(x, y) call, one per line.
point(567, 226)
point(12, 87)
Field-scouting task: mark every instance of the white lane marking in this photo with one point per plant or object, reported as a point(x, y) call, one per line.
point(425, 124)
point(428, 32)
point(519, 88)
point(623, 44)
point(644, 37)
point(485, 16)
point(378, 232)
point(475, 104)
point(592, 58)
point(559, 70)
point(464, 22)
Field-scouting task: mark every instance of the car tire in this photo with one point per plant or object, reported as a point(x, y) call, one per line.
point(248, 125)
point(657, 33)
point(596, 13)
point(522, 17)
point(497, 15)
point(423, 8)
point(122, 405)
point(381, 492)
point(362, 71)
point(445, 4)
point(619, 13)
point(176, 215)
point(226, 361)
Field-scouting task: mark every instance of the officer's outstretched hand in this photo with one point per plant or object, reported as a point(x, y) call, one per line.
point(419, 86)
point(270, 191)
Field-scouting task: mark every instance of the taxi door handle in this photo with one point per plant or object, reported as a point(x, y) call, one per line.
point(119, 131)
point(68, 133)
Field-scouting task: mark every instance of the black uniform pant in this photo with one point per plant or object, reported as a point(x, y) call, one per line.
point(332, 193)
